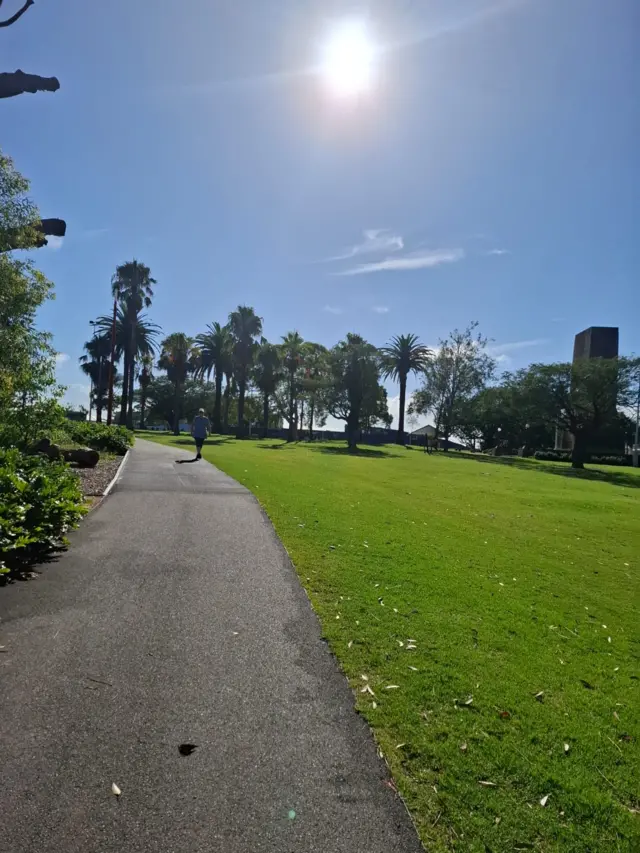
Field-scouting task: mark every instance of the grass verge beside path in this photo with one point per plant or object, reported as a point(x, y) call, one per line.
point(486, 615)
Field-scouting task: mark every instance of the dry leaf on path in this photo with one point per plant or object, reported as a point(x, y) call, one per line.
point(115, 790)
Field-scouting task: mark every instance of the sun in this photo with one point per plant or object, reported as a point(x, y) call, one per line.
point(348, 63)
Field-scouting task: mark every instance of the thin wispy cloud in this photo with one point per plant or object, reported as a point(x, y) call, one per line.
point(55, 243)
point(424, 259)
point(380, 309)
point(332, 309)
point(514, 346)
point(498, 252)
point(61, 357)
point(376, 241)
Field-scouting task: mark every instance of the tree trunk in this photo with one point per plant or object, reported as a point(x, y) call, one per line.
point(352, 430)
point(403, 396)
point(218, 402)
point(143, 406)
point(301, 421)
point(578, 453)
point(124, 400)
point(292, 434)
point(227, 401)
point(176, 409)
point(265, 415)
point(132, 376)
point(311, 414)
point(242, 387)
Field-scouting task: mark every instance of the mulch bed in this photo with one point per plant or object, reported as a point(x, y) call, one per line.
point(95, 480)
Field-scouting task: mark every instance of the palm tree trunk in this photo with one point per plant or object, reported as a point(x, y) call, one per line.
point(301, 421)
point(132, 375)
point(311, 414)
point(242, 387)
point(125, 388)
point(99, 391)
point(176, 409)
point(218, 402)
point(293, 413)
point(143, 405)
point(227, 401)
point(403, 396)
point(265, 415)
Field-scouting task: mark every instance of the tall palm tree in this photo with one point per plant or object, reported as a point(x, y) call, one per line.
point(266, 376)
point(245, 327)
point(292, 349)
point(178, 358)
point(95, 364)
point(132, 288)
point(145, 377)
point(316, 377)
point(216, 355)
point(404, 354)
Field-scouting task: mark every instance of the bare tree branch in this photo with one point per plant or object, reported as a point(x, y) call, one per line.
point(17, 15)
point(17, 82)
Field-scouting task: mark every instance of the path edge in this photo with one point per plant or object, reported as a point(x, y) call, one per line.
point(117, 474)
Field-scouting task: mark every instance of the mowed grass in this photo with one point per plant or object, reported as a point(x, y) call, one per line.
point(487, 617)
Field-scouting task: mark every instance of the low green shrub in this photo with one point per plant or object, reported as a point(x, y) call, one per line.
point(39, 501)
point(552, 456)
point(594, 459)
point(109, 439)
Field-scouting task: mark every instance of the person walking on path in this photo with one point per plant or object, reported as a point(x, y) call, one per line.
point(200, 429)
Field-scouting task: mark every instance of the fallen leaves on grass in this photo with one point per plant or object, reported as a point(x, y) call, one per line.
point(463, 747)
point(543, 801)
point(486, 784)
point(566, 748)
point(392, 687)
point(539, 696)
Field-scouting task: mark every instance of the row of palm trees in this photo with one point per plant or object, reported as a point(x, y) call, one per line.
point(289, 375)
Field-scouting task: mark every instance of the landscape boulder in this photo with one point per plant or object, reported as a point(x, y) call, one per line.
point(83, 457)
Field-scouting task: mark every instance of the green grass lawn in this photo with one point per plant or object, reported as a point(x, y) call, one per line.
point(487, 616)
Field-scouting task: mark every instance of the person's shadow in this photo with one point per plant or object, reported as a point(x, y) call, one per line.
point(186, 461)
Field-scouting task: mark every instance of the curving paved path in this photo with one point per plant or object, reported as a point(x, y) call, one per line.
point(177, 617)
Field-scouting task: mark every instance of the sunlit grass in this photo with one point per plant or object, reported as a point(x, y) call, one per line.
point(489, 612)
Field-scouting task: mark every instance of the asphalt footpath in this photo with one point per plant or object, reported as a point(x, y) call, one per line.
point(176, 619)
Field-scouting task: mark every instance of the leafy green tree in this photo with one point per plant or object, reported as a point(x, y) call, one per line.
point(132, 285)
point(354, 395)
point(292, 352)
point(28, 388)
point(403, 355)
point(582, 398)
point(266, 375)
point(145, 378)
point(458, 370)
point(178, 358)
point(245, 327)
point(95, 364)
point(216, 356)
point(316, 378)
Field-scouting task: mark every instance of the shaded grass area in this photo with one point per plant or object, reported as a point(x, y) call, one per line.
point(487, 618)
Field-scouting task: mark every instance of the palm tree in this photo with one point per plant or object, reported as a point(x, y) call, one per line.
point(95, 364)
point(245, 327)
point(132, 288)
point(315, 377)
point(266, 376)
point(292, 348)
point(230, 390)
point(178, 358)
point(216, 353)
point(404, 354)
point(145, 377)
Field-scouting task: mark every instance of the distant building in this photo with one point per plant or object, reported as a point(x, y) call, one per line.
point(594, 342)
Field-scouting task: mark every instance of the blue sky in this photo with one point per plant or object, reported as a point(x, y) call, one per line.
point(491, 173)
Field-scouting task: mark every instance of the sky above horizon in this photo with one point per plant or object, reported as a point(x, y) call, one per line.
point(490, 172)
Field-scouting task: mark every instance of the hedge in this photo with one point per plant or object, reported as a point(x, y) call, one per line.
point(109, 439)
point(39, 501)
point(594, 459)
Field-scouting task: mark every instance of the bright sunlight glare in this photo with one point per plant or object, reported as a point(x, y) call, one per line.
point(348, 60)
